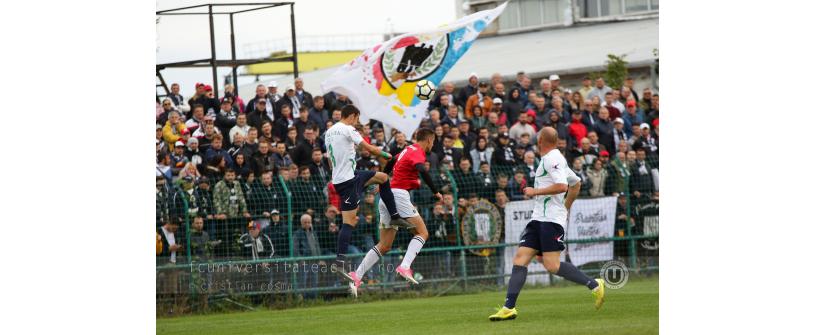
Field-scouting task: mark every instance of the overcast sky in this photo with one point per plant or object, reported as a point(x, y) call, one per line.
point(182, 38)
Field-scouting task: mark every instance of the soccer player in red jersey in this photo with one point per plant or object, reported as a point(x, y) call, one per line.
point(408, 168)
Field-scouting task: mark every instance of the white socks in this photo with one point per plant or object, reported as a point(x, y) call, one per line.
point(368, 262)
point(413, 249)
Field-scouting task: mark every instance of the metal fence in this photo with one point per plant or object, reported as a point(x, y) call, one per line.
point(221, 264)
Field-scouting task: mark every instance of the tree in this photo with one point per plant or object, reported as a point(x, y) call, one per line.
point(616, 70)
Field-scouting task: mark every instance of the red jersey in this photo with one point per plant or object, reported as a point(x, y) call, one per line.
point(405, 175)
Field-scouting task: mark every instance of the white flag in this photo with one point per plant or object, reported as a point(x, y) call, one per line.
point(382, 79)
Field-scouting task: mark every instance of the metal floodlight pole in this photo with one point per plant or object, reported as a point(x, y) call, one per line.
point(212, 49)
point(232, 39)
point(294, 43)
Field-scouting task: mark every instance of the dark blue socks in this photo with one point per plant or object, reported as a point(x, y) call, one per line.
point(343, 239)
point(516, 282)
point(572, 273)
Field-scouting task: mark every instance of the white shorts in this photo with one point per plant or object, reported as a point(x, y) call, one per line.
point(403, 206)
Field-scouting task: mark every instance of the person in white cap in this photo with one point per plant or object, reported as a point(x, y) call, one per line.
point(618, 132)
point(273, 95)
point(555, 80)
point(290, 99)
point(467, 91)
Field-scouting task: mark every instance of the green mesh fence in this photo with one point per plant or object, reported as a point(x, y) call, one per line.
point(222, 265)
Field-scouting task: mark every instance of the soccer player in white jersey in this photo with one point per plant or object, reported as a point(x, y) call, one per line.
point(406, 172)
point(544, 233)
point(341, 140)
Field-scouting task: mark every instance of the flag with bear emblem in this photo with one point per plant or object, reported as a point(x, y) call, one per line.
point(381, 81)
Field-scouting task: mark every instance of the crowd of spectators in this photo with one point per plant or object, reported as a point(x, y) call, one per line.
point(232, 159)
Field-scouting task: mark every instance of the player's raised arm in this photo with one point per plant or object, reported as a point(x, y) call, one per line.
point(374, 150)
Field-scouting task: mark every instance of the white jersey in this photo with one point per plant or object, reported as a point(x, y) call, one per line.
point(341, 140)
point(552, 170)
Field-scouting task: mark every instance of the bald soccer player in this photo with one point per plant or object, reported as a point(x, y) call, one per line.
point(543, 235)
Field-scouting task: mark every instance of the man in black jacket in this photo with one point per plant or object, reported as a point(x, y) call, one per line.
point(260, 94)
point(604, 129)
point(259, 115)
point(301, 94)
point(301, 155)
point(319, 167)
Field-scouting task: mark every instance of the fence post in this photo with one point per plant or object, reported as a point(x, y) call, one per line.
point(462, 254)
point(291, 231)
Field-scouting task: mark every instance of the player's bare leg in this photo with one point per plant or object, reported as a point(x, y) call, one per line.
point(386, 237)
point(420, 236)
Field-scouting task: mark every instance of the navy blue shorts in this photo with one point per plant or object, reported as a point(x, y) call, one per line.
point(350, 191)
point(543, 236)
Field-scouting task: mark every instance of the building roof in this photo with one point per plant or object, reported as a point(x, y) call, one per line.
point(576, 49)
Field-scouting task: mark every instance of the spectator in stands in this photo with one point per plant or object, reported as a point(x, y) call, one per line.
point(201, 247)
point(503, 156)
point(449, 152)
point(467, 91)
point(618, 133)
point(197, 118)
point(516, 186)
point(648, 141)
point(479, 119)
point(585, 88)
point(466, 179)
point(319, 166)
point(522, 127)
point(480, 98)
point(241, 127)
point(216, 149)
point(228, 198)
point(226, 118)
point(261, 95)
point(306, 244)
point(653, 114)
point(302, 95)
point(641, 181)
point(289, 99)
point(167, 285)
point(513, 105)
point(600, 89)
point(265, 196)
point(577, 129)
point(482, 153)
point(603, 128)
point(278, 232)
point(608, 104)
point(260, 114)
point(555, 121)
point(301, 155)
point(577, 167)
point(453, 118)
point(302, 121)
point(281, 156)
point(632, 116)
point(263, 160)
point(318, 114)
point(172, 129)
point(255, 245)
point(486, 182)
point(242, 169)
point(239, 147)
point(281, 125)
point(597, 177)
point(163, 162)
point(529, 166)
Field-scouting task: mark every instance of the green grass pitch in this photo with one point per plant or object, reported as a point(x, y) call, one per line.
point(633, 309)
